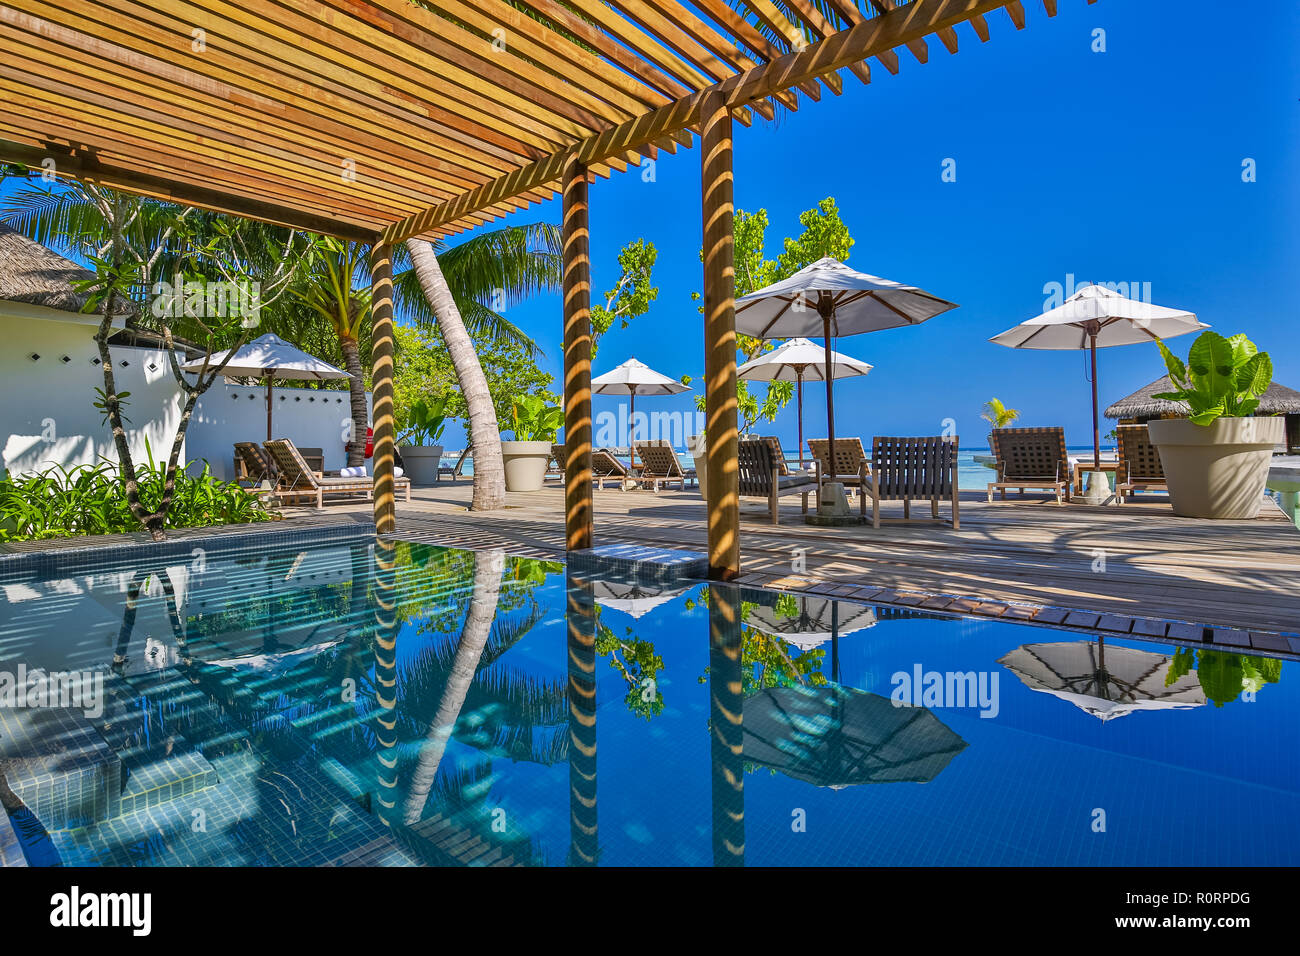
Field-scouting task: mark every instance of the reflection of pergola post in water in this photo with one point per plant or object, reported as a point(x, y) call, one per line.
point(726, 744)
point(385, 625)
point(581, 617)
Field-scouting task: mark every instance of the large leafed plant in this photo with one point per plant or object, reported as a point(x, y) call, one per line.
point(1222, 377)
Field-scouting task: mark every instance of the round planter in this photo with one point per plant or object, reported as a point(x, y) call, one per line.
point(695, 444)
point(1217, 470)
point(420, 463)
point(525, 463)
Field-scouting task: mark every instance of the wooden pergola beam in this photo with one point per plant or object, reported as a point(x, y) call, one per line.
point(869, 38)
point(87, 169)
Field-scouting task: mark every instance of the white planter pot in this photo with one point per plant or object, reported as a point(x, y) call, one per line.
point(525, 463)
point(1217, 470)
point(420, 462)
point(695, 444)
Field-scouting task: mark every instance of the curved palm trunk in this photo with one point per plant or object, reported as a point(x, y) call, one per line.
point(489, 471)
point(488, 566)
point(357, 387)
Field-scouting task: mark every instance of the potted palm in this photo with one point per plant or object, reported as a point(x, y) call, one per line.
point(1216, 460)
point(534, 427)
point(420, 440)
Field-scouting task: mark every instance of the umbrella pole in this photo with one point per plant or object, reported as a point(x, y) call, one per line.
point(830, 396)
point(1096, 425)
point(799, 392)
point(631, 427)
point(270, 377)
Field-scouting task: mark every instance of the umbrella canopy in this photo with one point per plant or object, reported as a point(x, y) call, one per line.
point(828, 299)
point(1105, 682)
point(271, 357)
point(836, 736)
point(795, 361)
point(1096, 318)
point(633, 599)
point(634, 378)
point(818, 620)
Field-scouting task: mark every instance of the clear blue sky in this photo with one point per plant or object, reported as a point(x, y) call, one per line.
point(1117, 166)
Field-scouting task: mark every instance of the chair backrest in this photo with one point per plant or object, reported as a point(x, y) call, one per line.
point(755, 462)
point(913, 467)
point(291, 464)
point(257, 463)
point(848, 455)
point(1141, 459)
point(557, 456)
point(778, 455)
point(659, 460)
point(603, 464)
point(1030, 453)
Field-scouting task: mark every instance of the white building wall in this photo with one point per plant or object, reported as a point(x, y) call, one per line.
point(47, 416)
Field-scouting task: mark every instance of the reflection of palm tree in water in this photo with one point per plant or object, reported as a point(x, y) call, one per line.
point(488, 566)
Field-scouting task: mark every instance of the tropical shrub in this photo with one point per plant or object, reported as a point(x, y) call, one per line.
point(424, 423)
point(533, 420)
point(1223, 377)
point(1224, 676)
point(997, 414)
point(91, 499)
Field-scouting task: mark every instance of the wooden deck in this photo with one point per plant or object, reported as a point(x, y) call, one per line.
point(1135, 559)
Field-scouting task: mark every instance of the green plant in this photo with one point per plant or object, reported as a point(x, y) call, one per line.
point(91, 499)
point(534, 420)
point(1223, 377)
point(1224, 676)
point(425, 421)
point(997, 414)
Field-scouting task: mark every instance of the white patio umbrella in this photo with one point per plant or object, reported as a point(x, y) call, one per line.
point(828, 299)
point(271, 357)
point(634, 378)
point(796, 360)
point(633, 599)
point(1096, 318)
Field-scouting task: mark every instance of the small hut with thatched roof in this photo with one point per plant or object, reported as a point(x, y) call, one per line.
point(1142, 406)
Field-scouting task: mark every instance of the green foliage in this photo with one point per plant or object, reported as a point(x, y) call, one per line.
point(639, 664)
point(767, 660)
point(1223, 377)
point(632, 294)
point(997, 414)
point(533, 419)
point(90, 499)
point(424, 422)
point(750, 410)
point(1224, 676)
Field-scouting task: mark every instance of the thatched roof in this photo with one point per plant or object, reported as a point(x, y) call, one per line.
point(1278, 400)
point(36, 274)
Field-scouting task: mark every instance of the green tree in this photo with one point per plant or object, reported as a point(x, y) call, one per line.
point(632, 294)
point(997, 414)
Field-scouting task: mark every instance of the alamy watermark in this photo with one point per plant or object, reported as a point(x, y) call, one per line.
point(208, 300)
point(931, 689)
point(82, 690)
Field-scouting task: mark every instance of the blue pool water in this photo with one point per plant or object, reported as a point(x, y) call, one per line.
point(349, 702)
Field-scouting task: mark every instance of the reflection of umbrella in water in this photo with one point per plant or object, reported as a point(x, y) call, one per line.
point(818, 620)
point(1105, 682)
point(837, 736)
point(268, 664)
point(633, 599)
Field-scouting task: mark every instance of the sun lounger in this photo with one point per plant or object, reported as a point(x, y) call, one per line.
point(604, 465)
point(255, 463)
point(907, 469)
point(850, 466)
point(659, 465)
point(555, 464)
point(1140, 467)
point(299, 481)
point(1031, 458)
point(760, 477)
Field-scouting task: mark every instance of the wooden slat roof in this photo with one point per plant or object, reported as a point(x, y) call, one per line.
point(390, 118)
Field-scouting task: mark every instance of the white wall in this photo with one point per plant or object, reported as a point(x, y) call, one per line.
point(46, 411)
point(47, 416)
point(310, 417)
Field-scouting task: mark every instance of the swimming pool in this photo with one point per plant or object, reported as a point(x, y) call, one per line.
point(355, 702)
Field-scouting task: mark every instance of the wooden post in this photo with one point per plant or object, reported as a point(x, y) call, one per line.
point(381, 354)
point(719, 339)
point(583, 818)
point(577, 359)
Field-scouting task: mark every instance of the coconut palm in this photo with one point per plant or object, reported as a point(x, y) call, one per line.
point(997, 414)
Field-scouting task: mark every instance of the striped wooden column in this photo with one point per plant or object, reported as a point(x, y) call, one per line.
point(719, 339)
point(726, 726)
point(381, 357)
point(577, 359)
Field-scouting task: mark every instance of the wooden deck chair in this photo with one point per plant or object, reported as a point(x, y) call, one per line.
point(850, 466)
point(1031, 458)
point(778, 453)
point(760, 477)
point(256, 462)
point(555, 464)
point(659, 465)
point(604, 465)
point(299, 481)
point(907, 469)
point(1140, 467)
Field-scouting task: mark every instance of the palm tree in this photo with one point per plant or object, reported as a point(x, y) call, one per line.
point(997, 414)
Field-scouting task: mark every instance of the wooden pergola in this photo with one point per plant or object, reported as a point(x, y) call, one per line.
point(383, 120)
